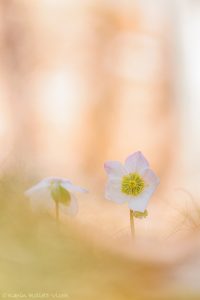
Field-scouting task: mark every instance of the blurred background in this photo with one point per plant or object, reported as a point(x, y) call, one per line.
point(82, 82)
point(86, 81)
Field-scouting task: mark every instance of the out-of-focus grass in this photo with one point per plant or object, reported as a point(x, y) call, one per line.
point(36, 256)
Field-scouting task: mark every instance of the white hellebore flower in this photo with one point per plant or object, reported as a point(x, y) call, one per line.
point(134, 182)
point(53, 189)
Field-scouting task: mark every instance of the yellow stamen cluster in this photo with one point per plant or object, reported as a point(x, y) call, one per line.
point(132, 184)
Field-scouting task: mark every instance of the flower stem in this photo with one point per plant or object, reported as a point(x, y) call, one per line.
point(57, 212)
point(132, 223)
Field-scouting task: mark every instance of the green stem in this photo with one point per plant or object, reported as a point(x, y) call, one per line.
point(57, 212)
point(132, 223)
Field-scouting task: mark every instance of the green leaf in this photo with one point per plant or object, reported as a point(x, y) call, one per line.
point(140, 215)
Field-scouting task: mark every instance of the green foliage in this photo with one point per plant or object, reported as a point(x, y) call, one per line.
point(140, 215)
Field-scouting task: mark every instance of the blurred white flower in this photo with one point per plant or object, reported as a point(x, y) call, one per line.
point(50, 190)
point(134, 182)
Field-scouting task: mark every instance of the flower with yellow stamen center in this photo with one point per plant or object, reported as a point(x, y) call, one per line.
point(134, 182)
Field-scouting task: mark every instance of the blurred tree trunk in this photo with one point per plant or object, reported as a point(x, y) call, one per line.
point(186, 17)
point(18, 62)
point(101, 114)
point(131, 105)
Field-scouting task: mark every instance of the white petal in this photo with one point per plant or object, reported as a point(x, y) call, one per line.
point(42, 200)
point(139, 203)
point(113, 192)
point(50, 179)
point(40, 196)
point(42, 185)
point(136, 163)
point(72, 188)
point(114, 169)
point(70, 209)
point(55, 179)
point(150, 178)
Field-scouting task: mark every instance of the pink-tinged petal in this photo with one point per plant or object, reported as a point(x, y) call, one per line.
point(139, 203)
point(113, 192)
point(136, 163)
point(114, 169)
point(150, 178)
point(72, 188)
point(72, 208)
